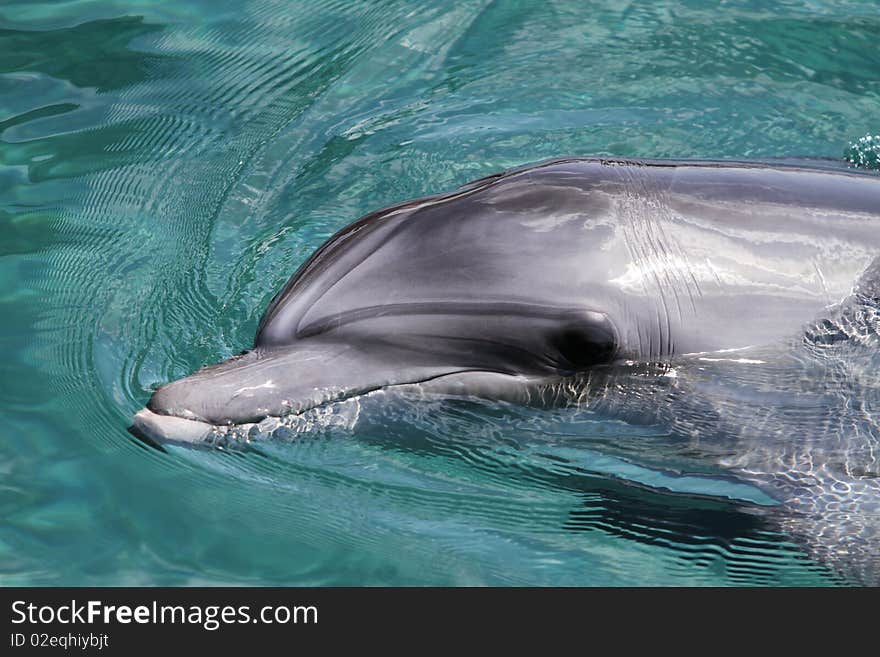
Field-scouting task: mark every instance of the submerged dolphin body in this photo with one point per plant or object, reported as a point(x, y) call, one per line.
point(568, 271)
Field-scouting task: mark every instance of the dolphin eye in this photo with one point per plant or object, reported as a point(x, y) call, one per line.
point(585, 340)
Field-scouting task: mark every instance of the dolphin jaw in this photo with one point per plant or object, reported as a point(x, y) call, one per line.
point(170, 428)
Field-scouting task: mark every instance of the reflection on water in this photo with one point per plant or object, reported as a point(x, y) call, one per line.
point(165, 166)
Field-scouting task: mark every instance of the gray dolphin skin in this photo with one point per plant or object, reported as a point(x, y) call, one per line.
point(568, 273)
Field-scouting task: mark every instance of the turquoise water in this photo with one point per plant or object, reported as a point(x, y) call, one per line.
point(166, 165)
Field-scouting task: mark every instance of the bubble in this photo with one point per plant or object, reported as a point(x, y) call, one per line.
point(864, 153)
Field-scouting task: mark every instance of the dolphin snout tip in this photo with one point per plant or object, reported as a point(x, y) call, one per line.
point(161, 429)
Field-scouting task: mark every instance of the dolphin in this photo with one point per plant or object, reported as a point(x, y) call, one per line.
point(566, 277)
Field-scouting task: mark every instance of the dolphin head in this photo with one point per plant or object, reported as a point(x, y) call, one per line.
point(462, 287)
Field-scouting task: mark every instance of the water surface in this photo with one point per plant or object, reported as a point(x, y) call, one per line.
point(166, 165)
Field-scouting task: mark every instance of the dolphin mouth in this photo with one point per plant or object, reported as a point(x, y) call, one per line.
point(158, 428)
point(163, 429)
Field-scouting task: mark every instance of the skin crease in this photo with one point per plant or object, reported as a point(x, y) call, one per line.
point(548, 273)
